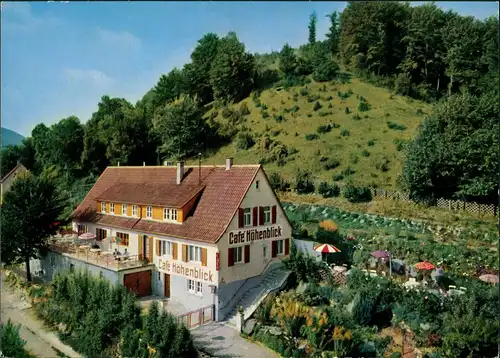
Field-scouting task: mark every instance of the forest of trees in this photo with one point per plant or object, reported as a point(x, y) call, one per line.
point(421, 52)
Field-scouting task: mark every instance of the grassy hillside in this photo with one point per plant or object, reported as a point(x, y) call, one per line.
point(361, 141)
point(10, 137)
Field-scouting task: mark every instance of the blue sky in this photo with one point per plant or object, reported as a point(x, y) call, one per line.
point(58, 59)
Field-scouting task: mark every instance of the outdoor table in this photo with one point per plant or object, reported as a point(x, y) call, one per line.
point(84, 247)
point(95, 250)
point(456, 292)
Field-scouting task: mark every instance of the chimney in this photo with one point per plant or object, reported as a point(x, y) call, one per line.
point(118, 163)
point(143, 164)
point(180, 172)
point(229, 163)
point(165, 163)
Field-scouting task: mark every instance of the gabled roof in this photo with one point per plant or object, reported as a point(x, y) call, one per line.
point(174, 196)
point(18, 166)
point(221, 194)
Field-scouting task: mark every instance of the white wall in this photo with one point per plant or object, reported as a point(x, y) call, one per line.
point(263, 196)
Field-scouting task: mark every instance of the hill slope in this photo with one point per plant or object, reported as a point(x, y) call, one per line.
point(360, 140)
point(10, 137)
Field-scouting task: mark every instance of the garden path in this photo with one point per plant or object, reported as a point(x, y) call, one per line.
point(222, 341)
point(39, 341)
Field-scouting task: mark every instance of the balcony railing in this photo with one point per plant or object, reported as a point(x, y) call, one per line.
point(103, 259)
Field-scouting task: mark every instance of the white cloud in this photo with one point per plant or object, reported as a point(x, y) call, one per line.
point(19, 17)
point(88, 77)
point(122, 39)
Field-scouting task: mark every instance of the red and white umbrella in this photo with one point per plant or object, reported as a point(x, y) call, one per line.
point(87, 236)
point(489, 278)
point(326, 248)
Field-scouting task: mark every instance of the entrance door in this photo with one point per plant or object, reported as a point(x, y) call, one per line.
point(166, 288)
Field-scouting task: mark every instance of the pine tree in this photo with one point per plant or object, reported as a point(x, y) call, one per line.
point(312, 28)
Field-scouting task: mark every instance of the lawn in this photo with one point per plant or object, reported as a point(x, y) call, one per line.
point(360, 140)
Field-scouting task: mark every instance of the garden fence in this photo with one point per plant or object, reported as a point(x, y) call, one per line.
point(196, 318)
point(452, 205)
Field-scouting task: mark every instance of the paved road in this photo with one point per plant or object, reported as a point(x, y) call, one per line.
point(222, 341)
point(39, 341)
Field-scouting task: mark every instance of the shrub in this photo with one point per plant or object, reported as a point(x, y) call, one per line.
point(348, 171)
point(313, 98)
point(277, 182)
point(363, 106)
point(343, 95)
point(244, 111)
point(264, 107)
point(317, 106)
point(337, 177)
point(11, 342)
point(304, 91)
point(330, 105)
point(324, 129)
point(324, 114)
point(395, 126)
point(419, 112)
point(279, 117)
point(365, 153)
point(265, 115)
point(356, 117)
point(371, 143)
point(331, 164)
point(357, 194)
point(347, 111)
point(309, 115)
point(382, 164)
point(303, 183)
point(294, 109)
point(227, 113)
point(311, 136)
point(354, 158)
point(327, 191)
point(344, 133)
point(329, 98)
point(244, 141)
point(401, 144)
point(335, 125)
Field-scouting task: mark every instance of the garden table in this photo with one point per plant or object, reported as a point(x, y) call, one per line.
point(84, 247)
point(339, 269)
point(456, 292)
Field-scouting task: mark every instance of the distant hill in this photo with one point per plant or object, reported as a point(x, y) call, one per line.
point(10, 137)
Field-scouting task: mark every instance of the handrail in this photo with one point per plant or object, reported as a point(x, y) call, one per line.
point(238, 290)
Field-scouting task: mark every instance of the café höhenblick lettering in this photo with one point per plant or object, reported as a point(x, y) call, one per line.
point(196, 273)
point(246, 236)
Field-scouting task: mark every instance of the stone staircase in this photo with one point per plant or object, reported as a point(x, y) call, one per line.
point(274, 280)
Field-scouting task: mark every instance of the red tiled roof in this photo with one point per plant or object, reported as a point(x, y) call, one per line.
point(223, 191)
point(150, 194)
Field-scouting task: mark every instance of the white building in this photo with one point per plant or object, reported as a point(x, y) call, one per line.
point(211, 232)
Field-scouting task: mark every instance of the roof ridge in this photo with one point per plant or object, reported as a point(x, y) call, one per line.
point(186, 166)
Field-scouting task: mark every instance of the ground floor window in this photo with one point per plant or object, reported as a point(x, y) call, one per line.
point(122, 238)
point(195, 286)
point(100, 234)
point(82, 229)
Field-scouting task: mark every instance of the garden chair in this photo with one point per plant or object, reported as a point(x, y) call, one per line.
point(463, 289)
point(451, 287)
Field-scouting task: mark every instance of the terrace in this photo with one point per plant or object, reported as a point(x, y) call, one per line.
point(74, 248)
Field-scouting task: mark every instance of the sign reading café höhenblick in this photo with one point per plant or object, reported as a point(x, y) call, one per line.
point(251, 235)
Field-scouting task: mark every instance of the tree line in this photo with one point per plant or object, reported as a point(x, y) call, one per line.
point(421, 52)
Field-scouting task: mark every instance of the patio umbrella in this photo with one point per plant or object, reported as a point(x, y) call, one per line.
point(380, 254)
point(326, 248)
point(489, 278)
point(87, 236)
point(427, 266)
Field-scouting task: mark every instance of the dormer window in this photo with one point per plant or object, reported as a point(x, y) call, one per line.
point(149, 212)
point(124, 209)
point(103, 207)
point(112, 208)
point(169, 214)
point(134, 210)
